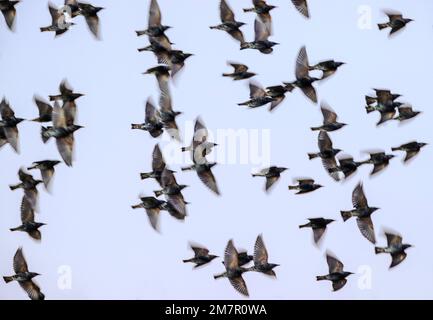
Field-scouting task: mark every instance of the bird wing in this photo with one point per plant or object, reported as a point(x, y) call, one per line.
point(226, 14)
point(330, 164)
point(165, 102)
point(334, 264)
point(329, 116)
point(24, 177)
point(65, 146)
point(9, 15)
point(270, 182)
point(158, 163)
point(365, 225)
point(45, 109)
point(93, 24)
point(150, 113)
point(276, 102)
point(47, 175)
point(260, 252)
point(163, 41)
point(405, 110)
point(12, 136)
point(410, 155)
point(237, 35)
point(267, 21)
point(20, 264)
point(27, 212)
point(378, 167)
point(231, 260)
point(302, 7)
point(397, 258)
point(200, 134)
point(256, 90)
point(153, 215)
point(32, 290)
point(59, 118)
point(393, 239)
point(386, 116)
point(318, 233)
point(163, 80)
point(239, 284)
point(239, 67)
point(70, 109)
point(358, 197)
point(303, 182)
point(6, 110)
point(301, 70)
point(154, 14)
point(200, 252)
point(324, 141)
point(32, 197)
point(261, 31)
point(337, 285)
point(167, 178)
point(310, 92)
point(208, 179)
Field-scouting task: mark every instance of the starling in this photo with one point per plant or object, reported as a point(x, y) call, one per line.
point(258, 97)
point(405, 112)
point(7, 7)
point(29, 184)
point(64, 134)
point(327, 154)
point(201, 256)
point(9, 124)
point(66, 93)
point(59, 25)
point(233, 270)
point(28, 223)
point(305, 186)
point(347, 166)
point(176, 60)
point(90, 13)
point(396, 22)
point(200, 147)
point(302, 7)
point(411, 149)
point(383, 97)
point(158, 166)
point(278, 93)
point(262, 9)
point(303, 80)
point(152, 122)
point(229, 24)
point(395, 248)
point(24, 277)
point(155, 28)
point(204, 172)
point(261, 42)
point(272, 174)
point(47, 170)
point(261, 263)
point(328, 67)
point(319, 227)
point(153, 207)
point(362, 212)
point(45, 110)
point(330, 122)
point(162, 74)
point(379, 159)
point(240, 72)
point(336, 273)
point(168, 115)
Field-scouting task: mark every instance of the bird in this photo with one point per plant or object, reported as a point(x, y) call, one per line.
point(261, 263)
point(379, 159)
point(240, 72)
point(59, 24)
point(200, 147)
point(45, 110)
point(347, 166)
point(24, 277)
point(201, 256)
point(327, 154)
point(7, 7)
point(303, 79)
point(233, 270)
point(272, 174)
point(405, 112)
point(396, 22)
point(9, 124)
point(204, 172)
point(66, 93)
point(362, 212)
point(278, 93)
point(168, 115)
point(162, 74)
point(63, 134)
point(152, 121)
point(336, 275)
point(154, 28)
point(153, 207)
point(305, 185)
point(158, 165)
point(319, 226)
point(411, 148)
point(90, 13)
point(47, 170)
point(261, 42)
point(302, 7)
point(28, 223)
point(262, 9)
point(228, 22)
point(330, 122)
point(396, 248)
point(383, 96)
point(28, 184)
point(258, 97)
point(328, 67)
point(176, 60)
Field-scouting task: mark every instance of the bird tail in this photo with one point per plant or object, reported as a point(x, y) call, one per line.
point(303, 226)
point(187, 260)
point(249, 10)
point(319, 278)
point(14, 187)
point(213, 27)
point(243, 103)
point(31, 168)
point(395, 149)
point(217, 276)
point(382, 25)
point(378, 250)
point(44, 134)
point(137, 206)
point(313, 155)
point(315, 128)
point(226, 74)
point(140, 33)
point(14, 229)
point(293, 187)
point(245, 45)
point(186, 168)
point(346, 215)
point(158, 193)
point(145, 175)
point(135, 126)
point(370, 100)
point(43, 29)
point(8, 279)
point(369, 109)
point(185, 149)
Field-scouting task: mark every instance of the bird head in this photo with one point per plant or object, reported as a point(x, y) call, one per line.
point(273, 265)
point(97, 9)
point(422, 144)
point(405, 246)
point(328, 221)
point(211, 165)
point(373, 209)
point(272, 7)
point(339, 64)
point(40, 224)
point(33, 274)
point(347, 273)
point(343, 124)
point(211, 257)
point(408, 20)
point(56, 162)
point(187, 55)
point(240, 24)
point(183, 186)
point(76, 127)
point(18, 120)
point(282, 169)
point(77, 95)
point(271, 43)
point(318, 186)
point(336, 151)
point(164, 28)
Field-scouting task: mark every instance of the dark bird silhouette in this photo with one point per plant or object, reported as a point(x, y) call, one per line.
point(336, 274)
point(396, 22)
point(7, 7)
point(272, 174)
point(162, 74)
point(176, 60)
point(28, 184)
point(240, 72)
point(47, 170)
point(28, 223)
point(261, 263)
point(228, 23)
point(90, 13)
point(233, 270)
point(327, 154)
point(411, 149)
point(153, 208)
point(200, 147)
point(303, 79)
point(168, 115)
point(45, 110)
point(362, 212)
point(328, 67)
point(158, 165)
point(406, 112)
point(201, 256)
point(205, 174)
point(154, 28)
point(59, 24)
point(66, 93)
point(261, 42)
point(278, 94)
point(319, 227)
point(9, 124)
point(379, 160)
point(305, 185)
point(262, 9)
point(24, 277)
point(395, 248)
point(258, 97)
point(383, 97)
point(330, 122)
point(347, 166)
point(152, 121)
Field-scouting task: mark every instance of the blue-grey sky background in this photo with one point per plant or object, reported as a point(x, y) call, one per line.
point(111, 249)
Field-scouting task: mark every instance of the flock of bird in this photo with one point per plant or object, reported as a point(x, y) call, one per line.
point(162, 118)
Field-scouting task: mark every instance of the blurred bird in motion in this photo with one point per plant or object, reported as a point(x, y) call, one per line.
point(302, 7)
point(396, 248)
point(240, 72)
point(411, 149)
point(200, 147)
point(278, 94)
point(47, 170)
point(59, 22)
point(261, 42)
point(28, 184)
point(261, 263)
point(44, 108)
point(272, 174)
point(379, 159)
point(152, 121)
point(347, 166)
point(336, 275)
point(330, 122)
point(262, 9)
point(328, 67)
point(406, 112)
point(305, 185)
point(90, 13)
point(201, 256)
point(318, 225)
point(258, 97)
point(7, 7)
point(8, 124)
point(158, 165)
point(28, 223)
point(228, 22)
point(204, 172)
point(396, 21)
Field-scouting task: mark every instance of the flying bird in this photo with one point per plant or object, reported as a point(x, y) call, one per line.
point(8, 124)
point(258, 97)
point(328, 67)
point(24, 277)
point(45, 110)
point(305, 186)
point(406, 112)
point(67, 94)
point(362, 212)
point(278, 94)
point(411, 149)
point(200, 147)
point(383, 97)
point(261, 42)
point(347, 166)
point(7, 7)
point(201, 256)
point(240, 72)
point(152, 121)
point(318, 225)
point(158, 165)
point(28, 223)
point(262, 9)
point(168, 115)
point(379, 159)
point(228, 22)
point(336, 275)
point(272, 174)
point(154, 28)
point(162, 74)
point(396, 248)
point(204, 172)
point(261, 263)
point(90, 13)
point(47, 170)
point(153, 208)
point(28, 184)
point(59, 24)
point(330, 122)
point(396, 22)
